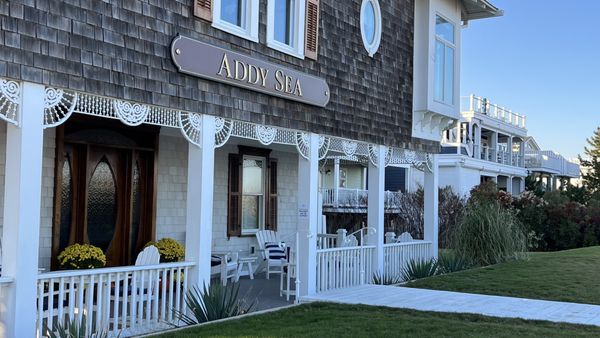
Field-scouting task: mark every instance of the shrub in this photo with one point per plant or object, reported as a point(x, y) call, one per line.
point(73, 328)
point(488, 234)
point(170, 250)
point(532, 215)
point(212, 303)
point(385, 279)
point(81, 256)
point(486, 192)
point(449, 261)
point(565, 226)
point(451, 209)
point(417, 269)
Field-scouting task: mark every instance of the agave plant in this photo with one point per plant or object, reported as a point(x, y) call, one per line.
point(421, 268)
point(74, 328)
point(451, 262)
point(384, 279)
point(212, 303)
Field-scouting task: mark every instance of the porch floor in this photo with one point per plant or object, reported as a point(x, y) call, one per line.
point(263, 292)
point(446, 301)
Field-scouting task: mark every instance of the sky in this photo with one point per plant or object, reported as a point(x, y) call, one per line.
point(541, 59)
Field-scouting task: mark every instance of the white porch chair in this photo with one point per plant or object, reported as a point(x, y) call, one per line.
point(273, 250)
point(225, 264)
point(288, 272)
point(148, 256)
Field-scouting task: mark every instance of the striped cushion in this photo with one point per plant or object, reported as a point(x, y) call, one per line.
point(216, 260)
point(275, 250)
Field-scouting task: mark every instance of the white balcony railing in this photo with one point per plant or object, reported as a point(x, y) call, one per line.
point(483, 106)
point(398, 255)
point(499, 156)
point(552, 162)
point(120, 301)
point(356, 198)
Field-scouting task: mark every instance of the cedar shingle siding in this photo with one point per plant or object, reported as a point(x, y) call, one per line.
point(120, 49)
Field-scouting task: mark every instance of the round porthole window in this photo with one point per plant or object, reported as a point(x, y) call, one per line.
point(370, 25)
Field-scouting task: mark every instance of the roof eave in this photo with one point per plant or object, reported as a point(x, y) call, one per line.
point(479, 9)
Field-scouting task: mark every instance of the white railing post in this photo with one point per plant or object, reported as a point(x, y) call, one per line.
point(336, 182)
point(308, 175)
point(431, 217)
point(22, 202)
point(375, 211)
point(199, 215)
point(341, 237)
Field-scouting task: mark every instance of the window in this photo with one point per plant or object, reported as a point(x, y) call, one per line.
point(285, 26)
point(253, 194)
point(444, 61)
point(238, 17)
point(370, 25)
point(343, 178)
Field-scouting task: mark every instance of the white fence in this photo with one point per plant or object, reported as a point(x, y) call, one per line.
point(120, 301)
point(398, 255)
point(356, 198)
point(483, 106)
point(344, 267)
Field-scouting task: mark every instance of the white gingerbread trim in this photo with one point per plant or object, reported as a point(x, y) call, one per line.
point(223, 128)
point(191, 127)
point(265, 134)
point(10, 96)
point(131, 114)
point(59, 104)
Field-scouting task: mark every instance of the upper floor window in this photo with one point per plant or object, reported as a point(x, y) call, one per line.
point(238, 17)
point(370, 25)
point(285, 26)
point(444, 60)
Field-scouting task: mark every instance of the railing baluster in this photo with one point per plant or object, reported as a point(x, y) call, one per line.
point(116, 302)
point(40, 314)
point(51, 304)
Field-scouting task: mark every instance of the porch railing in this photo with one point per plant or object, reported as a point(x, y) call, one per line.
point(344, 267)
point(120, 301)
point(398, 255)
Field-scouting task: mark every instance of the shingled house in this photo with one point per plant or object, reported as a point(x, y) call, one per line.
point(208, 121)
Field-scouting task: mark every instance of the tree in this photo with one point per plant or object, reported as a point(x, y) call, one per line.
point(591, 178)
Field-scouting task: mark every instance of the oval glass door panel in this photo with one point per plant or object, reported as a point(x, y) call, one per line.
point(102, 206)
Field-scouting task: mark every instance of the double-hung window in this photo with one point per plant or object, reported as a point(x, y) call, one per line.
point(253, 194)
point(238, 17)
point(285, 26)
point(444, 61)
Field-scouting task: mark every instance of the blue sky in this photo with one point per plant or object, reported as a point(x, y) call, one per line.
point(541, 59)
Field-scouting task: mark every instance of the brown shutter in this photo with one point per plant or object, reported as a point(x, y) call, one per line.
point(272, 197)
point(234, 197)
point(311, 36)
point(203, 9)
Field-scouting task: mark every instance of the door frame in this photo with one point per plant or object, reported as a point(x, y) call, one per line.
point(148, 140)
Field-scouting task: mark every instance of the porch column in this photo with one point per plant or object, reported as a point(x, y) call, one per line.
point(336, 181)
point(22, 201)
point(199, 209)
point(431, 216)
point(375, 211)
point(509, 146)
point(509, 185)
point(308, 174)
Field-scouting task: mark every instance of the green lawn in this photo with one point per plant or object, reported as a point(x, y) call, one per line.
point(571, 276)
point(333, 320)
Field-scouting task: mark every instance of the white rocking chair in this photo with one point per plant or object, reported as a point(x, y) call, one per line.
point(273, 255)
point(225, 265)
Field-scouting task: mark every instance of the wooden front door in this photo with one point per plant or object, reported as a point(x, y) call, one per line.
point(104, 195)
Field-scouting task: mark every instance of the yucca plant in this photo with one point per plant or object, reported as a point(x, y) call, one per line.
point(212, 303)
point(449, 261)
point(384, 279)
point(73, 328)
point(420, 268)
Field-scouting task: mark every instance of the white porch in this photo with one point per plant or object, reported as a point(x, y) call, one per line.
point(191, 206)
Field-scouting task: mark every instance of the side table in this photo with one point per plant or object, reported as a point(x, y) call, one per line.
point(247, 262)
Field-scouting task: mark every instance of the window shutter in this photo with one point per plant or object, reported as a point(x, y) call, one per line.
point(203, 9)
point(311, 36)
point(271, 211)
point(234, 197)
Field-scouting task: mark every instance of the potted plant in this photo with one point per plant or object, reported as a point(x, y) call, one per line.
point(81, 256)
point(170, 250)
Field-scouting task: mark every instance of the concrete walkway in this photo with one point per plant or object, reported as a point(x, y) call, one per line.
point(445, 301)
